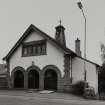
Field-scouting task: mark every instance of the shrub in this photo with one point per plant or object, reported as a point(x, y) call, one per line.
point(89, 93)
point(78, 88)
point(102, 96)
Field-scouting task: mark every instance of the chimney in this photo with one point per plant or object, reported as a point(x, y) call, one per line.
point(60, 35)
point(77, 47)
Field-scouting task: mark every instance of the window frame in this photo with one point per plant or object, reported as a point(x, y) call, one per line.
point(28, 46)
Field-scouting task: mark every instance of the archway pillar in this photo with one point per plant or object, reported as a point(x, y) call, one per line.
point(60, 85)
point(9, 86)
point(12, 81)
point(41, 82)
point(25, 81)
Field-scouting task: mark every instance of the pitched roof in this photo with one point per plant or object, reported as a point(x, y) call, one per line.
point(26, 33)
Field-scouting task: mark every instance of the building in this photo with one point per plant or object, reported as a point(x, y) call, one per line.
point(3, 76)
point(38, 61)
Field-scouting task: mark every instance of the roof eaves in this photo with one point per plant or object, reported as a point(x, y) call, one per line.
point(88, 60)
point(18, 42)
point(66, 50)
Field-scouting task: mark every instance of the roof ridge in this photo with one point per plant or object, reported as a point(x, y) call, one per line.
point(25, 34)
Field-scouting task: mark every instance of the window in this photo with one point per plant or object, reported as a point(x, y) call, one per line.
point(34, 48)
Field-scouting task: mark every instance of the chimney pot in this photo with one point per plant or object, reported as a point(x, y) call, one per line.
point(77, 47)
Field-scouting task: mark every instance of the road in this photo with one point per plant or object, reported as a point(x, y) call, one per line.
point(40, 99)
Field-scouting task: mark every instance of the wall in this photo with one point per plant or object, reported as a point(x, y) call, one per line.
point(78, 72)
point(54, 56)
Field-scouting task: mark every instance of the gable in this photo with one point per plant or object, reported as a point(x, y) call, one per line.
point(33, 36)
point(27, 33)
point(40, 60)
point(33, 33)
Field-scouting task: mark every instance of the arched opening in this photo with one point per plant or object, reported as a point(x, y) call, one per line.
point(18, 79)
point(33, 79)
point(50, 80)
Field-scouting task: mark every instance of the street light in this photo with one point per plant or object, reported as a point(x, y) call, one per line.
point(81, 8)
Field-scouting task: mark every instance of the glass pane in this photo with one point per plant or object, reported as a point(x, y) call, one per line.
point(39, 49)
point(43, 49)
point(24, 51)
point(31, 49)
point(34, 49)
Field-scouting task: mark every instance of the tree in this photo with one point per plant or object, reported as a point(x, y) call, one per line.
point(101, 76)
point(103, 53)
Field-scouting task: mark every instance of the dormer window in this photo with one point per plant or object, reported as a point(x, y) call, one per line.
point(34, 48)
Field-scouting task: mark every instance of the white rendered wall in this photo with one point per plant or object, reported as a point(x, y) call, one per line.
point(54, 56)
point(78, 72)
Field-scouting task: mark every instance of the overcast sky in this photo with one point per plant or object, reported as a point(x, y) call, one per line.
point(17, 15)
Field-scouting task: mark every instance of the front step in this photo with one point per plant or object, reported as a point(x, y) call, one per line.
point(46, 91)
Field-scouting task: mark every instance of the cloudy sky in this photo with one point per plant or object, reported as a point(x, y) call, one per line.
point(17, 15)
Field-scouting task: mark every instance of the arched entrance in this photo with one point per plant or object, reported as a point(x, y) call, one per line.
point(18, 79)
point(50, 80)
point(33, 79)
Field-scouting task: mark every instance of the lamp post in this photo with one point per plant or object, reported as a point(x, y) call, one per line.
point(81, 8)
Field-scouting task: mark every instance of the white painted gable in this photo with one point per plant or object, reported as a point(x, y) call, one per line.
point(34, 36)
point(54, 55)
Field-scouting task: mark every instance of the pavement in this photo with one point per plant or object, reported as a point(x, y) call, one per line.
point(21, 97)
point(32, 93)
